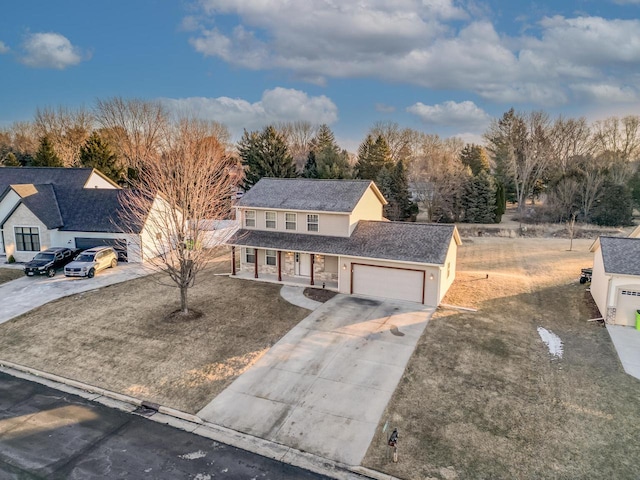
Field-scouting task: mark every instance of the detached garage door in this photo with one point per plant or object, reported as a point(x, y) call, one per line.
point(388, 282)
point(626, 306)
point(118, 244)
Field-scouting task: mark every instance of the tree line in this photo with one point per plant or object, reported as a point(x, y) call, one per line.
point(554, 170)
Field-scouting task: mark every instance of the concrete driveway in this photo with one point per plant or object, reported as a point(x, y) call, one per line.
point(24, 294)
point(324, 386)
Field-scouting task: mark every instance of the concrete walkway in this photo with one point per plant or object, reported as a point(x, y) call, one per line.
point(324, 386)
point(295, 296)
point(627, 343)
point(24, 294)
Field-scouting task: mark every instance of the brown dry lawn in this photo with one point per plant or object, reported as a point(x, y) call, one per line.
point(482, 398)
point(117, 337)
point(8, 274)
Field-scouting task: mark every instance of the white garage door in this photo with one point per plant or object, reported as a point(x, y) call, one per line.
point(388, 282)
point(626, 306)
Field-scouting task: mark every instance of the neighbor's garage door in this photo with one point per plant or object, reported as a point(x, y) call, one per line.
point(119, 245)
point(626, 306)
point(388, 282)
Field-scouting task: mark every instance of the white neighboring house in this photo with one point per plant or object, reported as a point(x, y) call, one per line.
point(615, 282)
point(43, 207)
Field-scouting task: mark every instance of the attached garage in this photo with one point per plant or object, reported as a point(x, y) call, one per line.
point(118, 244)
point(388, 282)
point(626, 306)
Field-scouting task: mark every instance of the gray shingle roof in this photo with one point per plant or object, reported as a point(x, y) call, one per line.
point(43, 204)
point(63, 202)
point(621, 255)
point(400, 241)
point(305, 194)
point(71, 177)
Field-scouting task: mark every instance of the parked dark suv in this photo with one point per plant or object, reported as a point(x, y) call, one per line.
point(48, 261)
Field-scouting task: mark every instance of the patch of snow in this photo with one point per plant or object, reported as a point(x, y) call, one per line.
point(552, 341)
point(202, 476)
point(193, 455)
point(147, 470)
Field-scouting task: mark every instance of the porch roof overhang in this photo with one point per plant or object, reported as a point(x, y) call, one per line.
point(399, 242)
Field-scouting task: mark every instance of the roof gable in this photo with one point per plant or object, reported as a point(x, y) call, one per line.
point(621, 255)
point(339, 196)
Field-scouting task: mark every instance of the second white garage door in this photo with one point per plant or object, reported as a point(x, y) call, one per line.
point(388, 282)
point(628, 303)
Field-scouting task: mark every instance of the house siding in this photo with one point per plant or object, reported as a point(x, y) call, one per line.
point(446, 282)
point(599, 283)
point(23, 217)
point(97, 181)
point(330, 224)
point(368, 208)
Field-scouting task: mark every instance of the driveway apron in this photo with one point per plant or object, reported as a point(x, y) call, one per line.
point(324, 386)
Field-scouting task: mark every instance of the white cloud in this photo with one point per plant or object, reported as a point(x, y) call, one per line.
point(50, 50)
point(605, 93)
point(431, 43)
point(384, 108)
point(3, 48)
point(276, 105)
point(461, 115)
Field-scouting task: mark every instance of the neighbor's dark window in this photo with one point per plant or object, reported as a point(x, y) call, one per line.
point(250, 255)
point(27, 239)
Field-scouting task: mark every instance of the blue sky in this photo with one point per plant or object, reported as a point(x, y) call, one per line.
point(440, 66)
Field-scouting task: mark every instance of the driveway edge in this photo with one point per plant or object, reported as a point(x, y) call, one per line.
point(194, 424)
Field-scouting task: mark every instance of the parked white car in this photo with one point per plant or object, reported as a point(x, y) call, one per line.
point(91, 261)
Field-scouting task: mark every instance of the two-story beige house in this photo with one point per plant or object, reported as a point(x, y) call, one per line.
point(332, 233)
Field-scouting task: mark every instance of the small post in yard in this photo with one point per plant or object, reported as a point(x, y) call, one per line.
point(393, 443)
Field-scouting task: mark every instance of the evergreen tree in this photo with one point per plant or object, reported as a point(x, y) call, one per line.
point(11, 161)
point(480, 200)
point(325, 159)
point(96, 153)
point(311, 167)
point(474, 157)
point(634, 188)
point(372, 157)
point(265, 154)
point(45, 155)
point(394, 186)
point(615, 207)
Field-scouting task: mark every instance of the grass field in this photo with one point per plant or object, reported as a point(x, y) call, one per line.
point(8, 274)
point(118, 338)
point(482, 396)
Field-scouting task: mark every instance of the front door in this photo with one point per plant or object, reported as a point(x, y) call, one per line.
point(303, 264)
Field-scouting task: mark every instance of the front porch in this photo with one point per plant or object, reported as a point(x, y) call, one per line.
point(285, 267)
point(291, 281)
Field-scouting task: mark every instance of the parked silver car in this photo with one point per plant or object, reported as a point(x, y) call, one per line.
point(91, 261)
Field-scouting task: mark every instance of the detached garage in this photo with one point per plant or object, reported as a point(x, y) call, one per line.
point(615, 284)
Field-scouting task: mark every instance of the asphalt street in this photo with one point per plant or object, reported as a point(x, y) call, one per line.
point(48, 434)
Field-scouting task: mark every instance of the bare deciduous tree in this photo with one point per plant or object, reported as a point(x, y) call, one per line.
point(401, 141)
point(134, 127)
point(66, 129)
point(189, 180)
point(619, 136)
point(298, 136)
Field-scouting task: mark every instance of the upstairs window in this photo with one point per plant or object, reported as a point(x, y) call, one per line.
point(290, 221)
point(312, 223)
point(250, 218)
point(270, 219)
